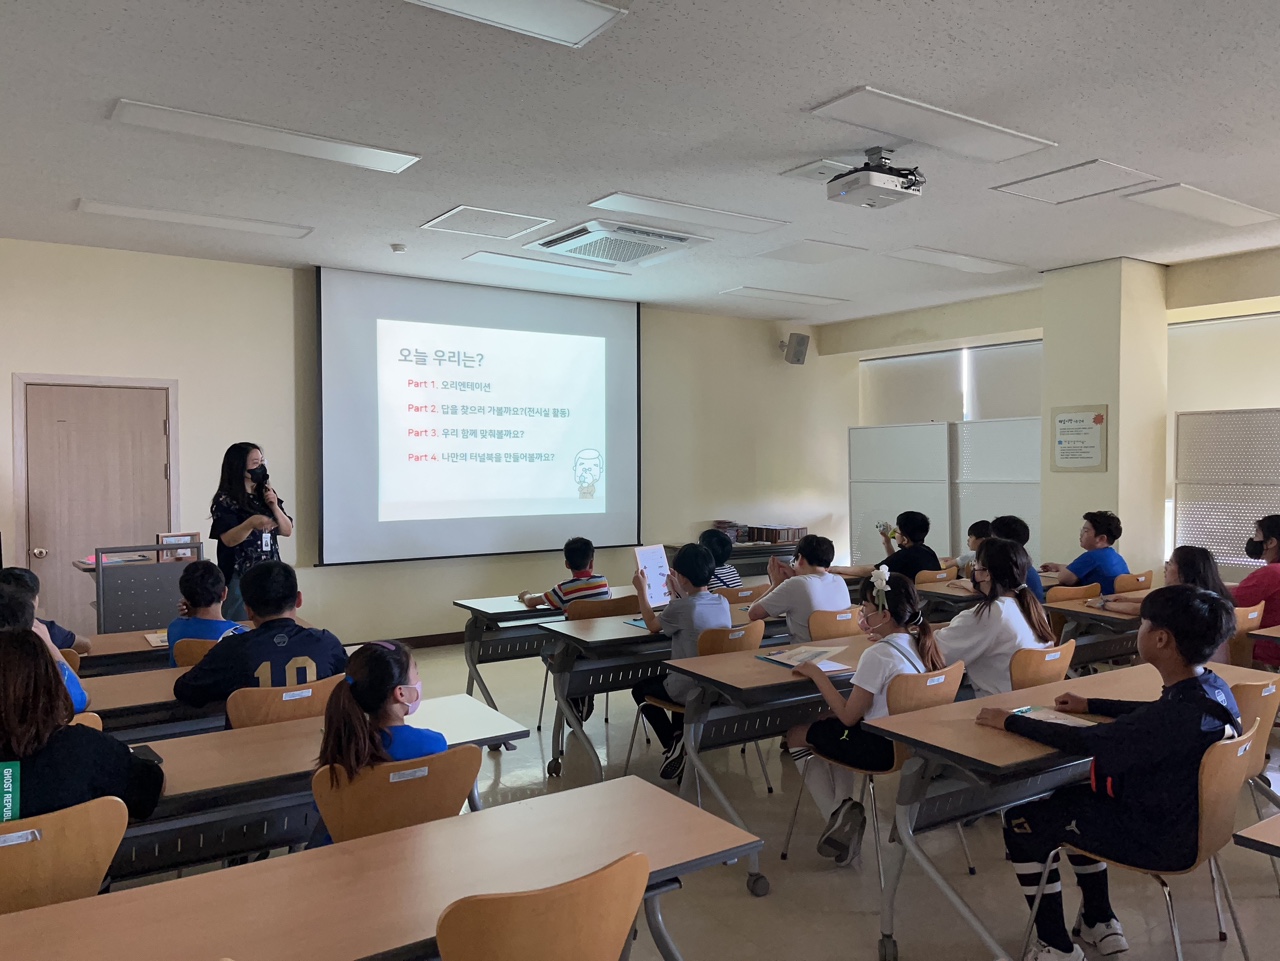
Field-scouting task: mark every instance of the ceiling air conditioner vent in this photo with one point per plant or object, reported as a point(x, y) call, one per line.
point(616, 245)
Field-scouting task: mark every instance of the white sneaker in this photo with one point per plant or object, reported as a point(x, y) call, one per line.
point(1039, 951)
point(1107, 937)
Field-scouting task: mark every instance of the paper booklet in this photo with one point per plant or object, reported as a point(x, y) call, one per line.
point(653, 561)
point(803, 655)
point(1054, 717)
point(159, 639)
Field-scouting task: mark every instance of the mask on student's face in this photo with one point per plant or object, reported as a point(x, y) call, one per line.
point(259, 474)
point(1254, 548)
point(864, 623)
point(414, 706)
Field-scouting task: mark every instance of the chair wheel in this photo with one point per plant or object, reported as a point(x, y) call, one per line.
point(554, 767)
point(758, 885)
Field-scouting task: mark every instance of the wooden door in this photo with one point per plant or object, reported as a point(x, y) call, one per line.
point(97, 476)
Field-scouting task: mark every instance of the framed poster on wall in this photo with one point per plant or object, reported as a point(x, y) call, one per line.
point(1079, 438)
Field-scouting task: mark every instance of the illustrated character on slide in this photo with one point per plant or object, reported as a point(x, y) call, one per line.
point(588, 468)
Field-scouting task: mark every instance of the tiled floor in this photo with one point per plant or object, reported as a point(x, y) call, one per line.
point(818, 912)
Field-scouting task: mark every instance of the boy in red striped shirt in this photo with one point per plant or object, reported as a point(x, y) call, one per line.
point(584, 585)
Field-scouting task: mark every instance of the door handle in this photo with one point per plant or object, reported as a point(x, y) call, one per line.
point(39, 552)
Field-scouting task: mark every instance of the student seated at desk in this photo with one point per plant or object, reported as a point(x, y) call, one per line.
point(1015, 529)
point(1186, 565)
point(364, 719)
point(18, 613)
point(907, 552)
point(61, 764)
point(583, 585)
point(1263, 584)
point(802, 587)
point(904, 643)
point(721, 548)
point(1100, 563)
point(979, 531)
point(278, 652)
point(63, 639)
point(1007, 619)
point(693, 609)
point(203, 589)
point(1140, 806)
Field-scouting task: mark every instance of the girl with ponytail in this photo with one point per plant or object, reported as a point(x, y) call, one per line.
point(1007, 619)
point(364, 721)
point(893, 617)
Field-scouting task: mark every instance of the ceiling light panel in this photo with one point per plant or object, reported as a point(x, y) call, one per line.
point(1193, 202)
point(818, 171)
point(569, 22)
point(784, 296)
point(543, 266)
point(482, 222)
point(1089, 179)
point(173, 120)
point(193, 219)
point(686, 213)
point(947, 258)
point(923, 123)
point(813, 252)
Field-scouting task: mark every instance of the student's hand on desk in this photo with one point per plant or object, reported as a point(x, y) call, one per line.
point(993, 717)
point(1099, 602)
point(809, 669)
point(1052, 568)
point(961, 584)
point(1071, 704)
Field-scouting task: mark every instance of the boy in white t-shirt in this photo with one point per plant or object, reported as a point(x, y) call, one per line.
point(803, 587)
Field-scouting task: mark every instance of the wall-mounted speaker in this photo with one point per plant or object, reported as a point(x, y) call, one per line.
point(794, 348)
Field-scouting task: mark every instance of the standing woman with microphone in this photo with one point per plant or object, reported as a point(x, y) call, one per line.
point(248, 518)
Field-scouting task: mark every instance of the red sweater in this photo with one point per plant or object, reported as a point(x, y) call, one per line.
point(1263, 585)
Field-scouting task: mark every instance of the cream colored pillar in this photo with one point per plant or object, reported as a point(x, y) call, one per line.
point(1106, 342)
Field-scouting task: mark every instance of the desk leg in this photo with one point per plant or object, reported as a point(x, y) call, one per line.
point(471, 637)
point(661, 937)
point(473, 798)
point(694, 719)
point(1069, 630)
point(566, 714)
point(911, 789)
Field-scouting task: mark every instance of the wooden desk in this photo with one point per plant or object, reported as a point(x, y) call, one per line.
point(383, 895)
point(1263, 837)
point(131, 651)
point(1111, 634)
point(946, 598)
point(746, 678)
point(141, 705)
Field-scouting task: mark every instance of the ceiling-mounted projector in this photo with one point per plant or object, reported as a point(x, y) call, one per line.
point(875, 183)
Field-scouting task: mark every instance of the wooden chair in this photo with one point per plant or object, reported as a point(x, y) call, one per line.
point(744, 594)
point(587, 919)
point(61, 856)
point(88, 719)
point(1033, 666)
point(73, 660)
point(936, 577)
point(1258, 700)
point(906, 693)
point(1058, 622)
point(582, 611)
point(1222, 773)
point(716, 641)
point(190, 651)
point(397, 794)
point(252, 706)
point(1240, 647)
point(828, 625)
point(1132, 582)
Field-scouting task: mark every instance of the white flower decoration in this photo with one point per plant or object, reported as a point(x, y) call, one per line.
point(880, 580)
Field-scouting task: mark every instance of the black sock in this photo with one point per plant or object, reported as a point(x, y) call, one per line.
point(1050, 926)
point(1091, 875)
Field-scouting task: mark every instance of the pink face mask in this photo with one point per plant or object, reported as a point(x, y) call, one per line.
point(413, 705)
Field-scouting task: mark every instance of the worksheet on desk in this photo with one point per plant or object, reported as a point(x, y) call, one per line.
point(653, 561)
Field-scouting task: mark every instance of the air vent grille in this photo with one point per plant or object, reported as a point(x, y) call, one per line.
point(607, 242)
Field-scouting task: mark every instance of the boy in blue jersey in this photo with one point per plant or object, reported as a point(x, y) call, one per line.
point(204, 589)
point(25, 579)
point(278, 652)
point(18, 613)
point(1100, 563)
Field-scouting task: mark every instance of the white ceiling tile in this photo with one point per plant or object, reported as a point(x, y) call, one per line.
point(784, 296)
point(1202, 205)
point(192, 219)
point(569, 22)
point(542, 266)
point(482, 222)
point(1089, 179)
point(947, 258)
point(813, 252)
point(686, 213)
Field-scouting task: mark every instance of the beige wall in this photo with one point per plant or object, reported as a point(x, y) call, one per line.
point(1236, 285)
point(729, 429)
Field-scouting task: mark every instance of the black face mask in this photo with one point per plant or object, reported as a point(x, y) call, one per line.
point(259, 474)
point(1254, 548)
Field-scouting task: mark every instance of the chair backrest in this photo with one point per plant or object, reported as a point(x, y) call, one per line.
point(936, 577)
point(397, 794)
point(61, 856)
point(915, 692)
point(587, 919)
point(744, 594)
point(1082, 592)
point(1258, 700)
point(1132, 582)
point(251, 706)
point(825, 625)
point(1241, 645)
point(612, 607)
point(722, 640)
point(190, 651)
point(88, 719)
point(73, 660)
point(1033, 666)
point(1223, 770)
